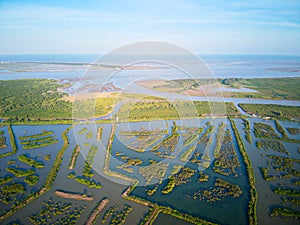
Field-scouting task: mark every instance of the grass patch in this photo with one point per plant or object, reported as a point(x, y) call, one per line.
point(274, 111)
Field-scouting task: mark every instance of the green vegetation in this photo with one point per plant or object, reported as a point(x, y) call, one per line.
point(258, 144)
point(16, 222)
point(180, 215)
point(250, 173)
point(264, 86)
point(137, 111)
point(57, 213)
point(281, 130)
point(129, 162)
point(272, 145)
point(38, 99)
point(20, 172)
point(285, 212)
point(109, 212)
point(40, 144)
point(35, 141)
point(11, 162)
point(2, 142)
point(233, 189)
point(149, 217)
point(293, 130)
point(99, 133)
point(271, 88)
point(118, 217)
point(31, 162)
point(265, 174)
point(178, 179)
point(89, 135)
point(155, 171)
point(87, 170)
point(262, 130)
point(294, 201)
point(48, 183)
point(284, 165)
point(169, 143)
point(203, 177)
point(89, 161)
point(187, 153)
point(88, 182)
point(190, 139)
point(32, 179)
point(296, 182)
point(83, 130)
point(71, 175)
point(44, 133)
point(91, 154)
point(271, 139)
point(108, 155)
point(2, 139)
point(42, 139)
point(226, 160)
point(57, 162)
point(280, 167)
point(167, 146)
point(27, 99)
point(91, 108)
point(5, 179)
point(48, 121)
point(205, 140)
point(12, 142)
point(220, 190)
point(142, 139)
point(143, 132)
point(287, 192)
point(247, 130)
point(273, 111)
point(176, 86)
point(7, 192)
point(47, 157)
point(219, 139)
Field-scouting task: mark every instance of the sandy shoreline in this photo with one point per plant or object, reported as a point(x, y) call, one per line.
point(73, 196)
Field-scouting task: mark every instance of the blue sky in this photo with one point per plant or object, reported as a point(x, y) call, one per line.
point(96, 27)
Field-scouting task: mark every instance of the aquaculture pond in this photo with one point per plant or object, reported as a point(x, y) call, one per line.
point(195, 167)
point(197, 170)
point(81, 193)
point(25, 171)
point(275, 156)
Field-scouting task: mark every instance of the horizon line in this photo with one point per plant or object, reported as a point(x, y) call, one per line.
point(204, 54)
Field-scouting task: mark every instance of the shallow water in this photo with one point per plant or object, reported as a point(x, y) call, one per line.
point(266, 198)
point(227, 211)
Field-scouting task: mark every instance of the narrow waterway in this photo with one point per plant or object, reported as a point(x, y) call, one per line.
point(137, 89)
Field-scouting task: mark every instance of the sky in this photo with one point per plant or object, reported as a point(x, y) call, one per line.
point(201, 26)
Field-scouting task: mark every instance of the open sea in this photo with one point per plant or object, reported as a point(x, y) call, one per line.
point(221, 66)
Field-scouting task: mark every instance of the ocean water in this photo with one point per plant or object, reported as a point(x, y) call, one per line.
point(221, 66)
